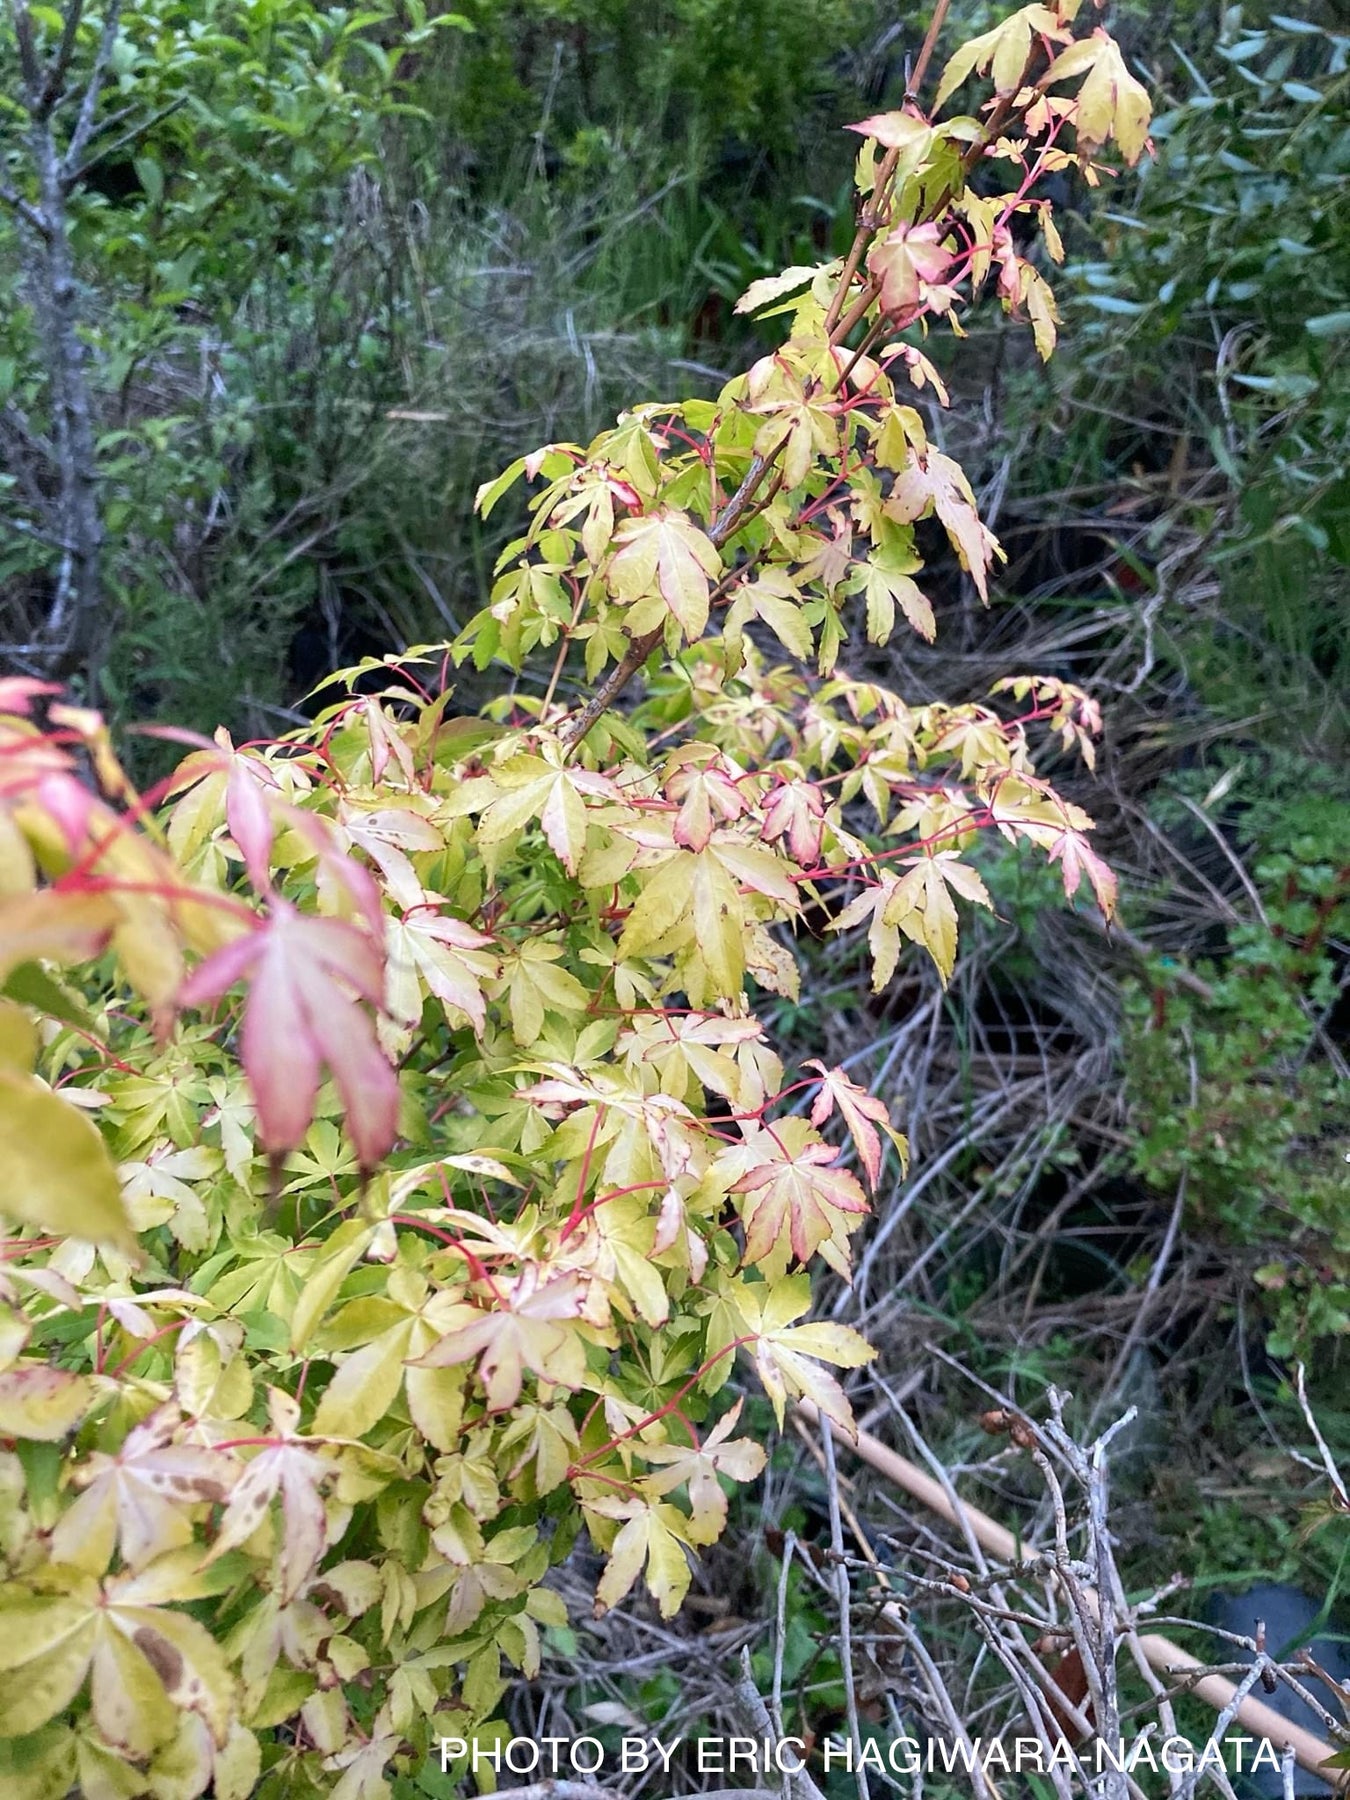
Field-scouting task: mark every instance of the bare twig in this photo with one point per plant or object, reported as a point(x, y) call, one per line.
point(1162, 1655)
point(843, 1594)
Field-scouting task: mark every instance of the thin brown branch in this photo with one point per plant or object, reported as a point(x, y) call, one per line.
point(914, 86)
point(1167, 1658)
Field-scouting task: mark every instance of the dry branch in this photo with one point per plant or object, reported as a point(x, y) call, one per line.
point(1163, 1656)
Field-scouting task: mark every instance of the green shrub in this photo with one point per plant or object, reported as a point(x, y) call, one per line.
point(1243, 1096)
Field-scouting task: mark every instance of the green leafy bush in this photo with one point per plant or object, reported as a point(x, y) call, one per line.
point(1243, 1095)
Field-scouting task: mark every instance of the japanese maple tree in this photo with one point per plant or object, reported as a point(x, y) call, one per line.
point(396, 1165)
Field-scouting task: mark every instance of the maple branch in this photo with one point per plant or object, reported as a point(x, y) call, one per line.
point(12, 198)
point(837, 330)
point(84, 123)
point(727, 522)
point(868, 219)
point(935, 24)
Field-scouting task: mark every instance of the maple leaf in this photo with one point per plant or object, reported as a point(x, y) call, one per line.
point(686, 1044)
point(387, 834)
point(774, 597)
point(522, 1331)
point(1020, 284)
point(788, 1358)
point(1111, 103)
point(248, 785)
point(544, 1438)
point(796, 811)
point(40, 1402)
point(290, 1468)
point(53, 926)
point(138, 1497)
point(773, 287)
point(895, 130)
point(656, 1124)
point(706, 790)
point(794, 1193)
point(524, 788)
point(156, 1192)
point(481, 1583)
point(145, 1662)
point(534, 984)
point(694, 899)
point(653, 1533)
point(383, 1338)
point(932, 482)
point(664, 553)
point(907, 262)
point(885, 589)
point(211, 1376)
point(1077, 858)
point(859, 1110)
point(1004, 51)
point(699, 1468)
point(386, 742)
point(1039, 301)
point(449, 958)
point(59, 1176)
point(362, 1765)
point(799, 422)
point(883, 937)
point(299, 1016)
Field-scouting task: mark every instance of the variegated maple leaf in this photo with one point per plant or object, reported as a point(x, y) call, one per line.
point(524, 788)
point(432, 950)
point(699, 1466)
point(932, 482)
point(683, 1044)
point(907, 262)
point(705, 788)
point(919, 905)
point(1111, 103)
point(530, 1326)
point(858, 1110)
point(140, 1498)
point(292, 1468)
point(795, 1192)
point(664, 556)
point(789, 1358)
point(653, 1534)
point(305, 976)
point(796, 812)
point(145, 1661)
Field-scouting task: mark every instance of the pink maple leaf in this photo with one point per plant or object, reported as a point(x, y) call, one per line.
point(858, 1109)
point(306, 977)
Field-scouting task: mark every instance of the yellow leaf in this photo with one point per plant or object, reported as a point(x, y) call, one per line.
point(1041, 308)
point(59, 1177)
point(54, 927)
point(652, 1535)
point(18, 1038)
point(922, 908)
point(1112, 104)
point(663, 904)
point(719, 926)
point(667, 555)
point(339, 1257)
point(365, 1386)
point(45, 1643)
